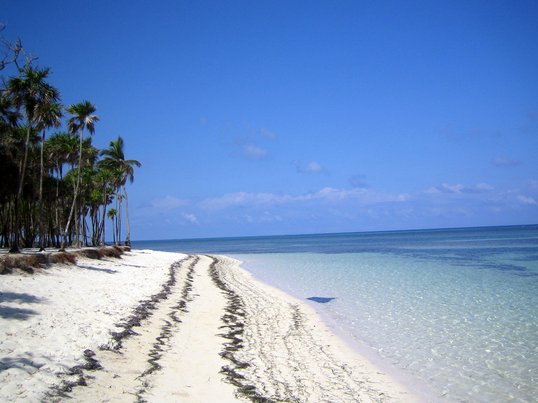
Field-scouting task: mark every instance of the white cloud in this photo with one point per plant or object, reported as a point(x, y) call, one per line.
point(167, 203)
point(309, 167)
point(190, 218)
point(526, 200)
point(358, 181)
point(268, 134)
point(264, 218)
point(484, 187)
point(505, 162)
point(243, 199)
point(459, 189)
point(254, 152)
point(327, 194)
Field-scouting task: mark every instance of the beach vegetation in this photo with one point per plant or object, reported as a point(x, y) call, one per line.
point(122, 170)
point(56, 185)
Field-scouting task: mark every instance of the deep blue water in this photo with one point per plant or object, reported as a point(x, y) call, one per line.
point(451, 312)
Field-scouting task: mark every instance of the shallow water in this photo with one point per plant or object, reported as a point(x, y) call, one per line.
point(454, 312)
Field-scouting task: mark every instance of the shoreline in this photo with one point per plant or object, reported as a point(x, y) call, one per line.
point(188, 327)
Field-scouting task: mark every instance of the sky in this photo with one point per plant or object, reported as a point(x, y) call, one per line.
point(292, 117)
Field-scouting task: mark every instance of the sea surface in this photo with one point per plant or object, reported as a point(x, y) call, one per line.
point(452, 313)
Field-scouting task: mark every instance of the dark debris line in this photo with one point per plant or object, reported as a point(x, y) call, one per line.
point(163, 339)
point(234, 321)
point(143, 311)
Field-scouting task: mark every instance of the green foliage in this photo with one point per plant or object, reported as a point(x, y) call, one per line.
point(47, 182)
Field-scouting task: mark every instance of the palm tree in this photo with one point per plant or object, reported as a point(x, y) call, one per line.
point(112, 215)
point(82, 118)
point(49, 116)
point(9, 116)
point(104, 181)
point(28, 92)
point(61, 148)
point(115, 160)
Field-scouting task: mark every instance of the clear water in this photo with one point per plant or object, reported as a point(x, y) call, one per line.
point(454, 313)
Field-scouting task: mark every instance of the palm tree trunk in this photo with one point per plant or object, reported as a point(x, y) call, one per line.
point(74, 200)
point(41, 226)
point(58, 224)
point(127, 226)
point(68, 225)
point(16, 239)
point(119, 220)
point(118, 212)
point(113, 230)
point(104, 215)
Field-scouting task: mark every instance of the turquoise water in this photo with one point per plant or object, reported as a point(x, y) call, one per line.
point(452, 313)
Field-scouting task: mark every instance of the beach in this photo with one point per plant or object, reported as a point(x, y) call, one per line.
point(159, 326)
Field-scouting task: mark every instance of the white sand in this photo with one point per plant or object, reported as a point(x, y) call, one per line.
point(294, 355)
point(48, 320)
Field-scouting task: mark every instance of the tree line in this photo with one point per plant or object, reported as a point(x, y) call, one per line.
point(56, 188)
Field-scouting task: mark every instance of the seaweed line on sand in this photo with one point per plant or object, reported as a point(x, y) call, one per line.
point(162, 341)
point(234, 321)
point(143, 311)
point(77, 372)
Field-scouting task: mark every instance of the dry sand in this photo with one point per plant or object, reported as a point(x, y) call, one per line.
point(162, 327)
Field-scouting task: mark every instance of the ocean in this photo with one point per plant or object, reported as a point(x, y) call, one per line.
point(451, 313)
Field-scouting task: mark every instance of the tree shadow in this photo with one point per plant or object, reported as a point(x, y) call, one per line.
point(7, 312)
point(99, 269)
point(20, 297)
point(23, 363)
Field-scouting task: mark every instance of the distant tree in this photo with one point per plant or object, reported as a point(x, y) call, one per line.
point(114, 160)
point(82, 118)
point(49, 115)
point(112, 215)
point(46, 183)
point(28, 92)
point(61, 148)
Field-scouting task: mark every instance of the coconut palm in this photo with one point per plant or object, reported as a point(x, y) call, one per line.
point(114, 159)
point(9, 120)
point(28, 92)
point(49, 115)
point(112, 215)
point(61, 148)
point(82, 118)
point(9, 116)
point(104, 188)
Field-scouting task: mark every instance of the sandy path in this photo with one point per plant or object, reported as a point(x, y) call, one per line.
point(175, 354)
point(191, 367)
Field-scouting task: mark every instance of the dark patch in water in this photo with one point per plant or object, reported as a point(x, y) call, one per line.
point(321, 300)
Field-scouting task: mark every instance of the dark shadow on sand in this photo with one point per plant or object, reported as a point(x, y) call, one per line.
point(7, 312)
point(100, 269)
point(20, 363)
point(20, 297)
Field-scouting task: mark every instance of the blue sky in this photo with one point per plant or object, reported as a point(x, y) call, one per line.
point(285, 117)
